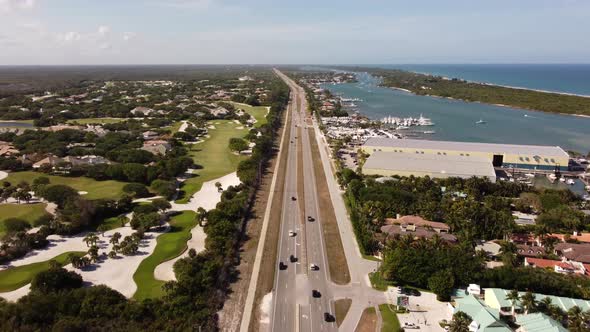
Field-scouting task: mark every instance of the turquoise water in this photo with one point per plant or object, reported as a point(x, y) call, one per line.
point(568, 78)
point(456, 120)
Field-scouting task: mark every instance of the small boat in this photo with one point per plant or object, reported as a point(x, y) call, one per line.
point(561, 179)
point(403, 127)
point(429, 132)
point(552, 177)
point(571, 182)
point(529, 175)
point(480, 122)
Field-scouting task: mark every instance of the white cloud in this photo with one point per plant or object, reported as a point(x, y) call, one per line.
point(8, 6)
point(103, 30)
point(127, 36)
point(70, 36)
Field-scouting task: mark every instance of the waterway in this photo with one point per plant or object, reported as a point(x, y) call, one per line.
point(15, 124)
point(456, 120)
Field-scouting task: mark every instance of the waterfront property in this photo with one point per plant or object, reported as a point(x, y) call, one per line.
point(483, 317)
point(433, 165)
point(499, 155)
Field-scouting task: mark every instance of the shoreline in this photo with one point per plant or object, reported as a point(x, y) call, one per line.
point(481, 102)
point(504, 86)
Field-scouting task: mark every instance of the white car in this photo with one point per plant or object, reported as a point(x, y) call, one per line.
point(291, 233)
point(313, 267)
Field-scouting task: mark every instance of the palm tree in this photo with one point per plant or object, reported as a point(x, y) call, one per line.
point(90, 239)
point(513, 297)
point(545, 305)
point(577, 319)
point(201, 215)
point(460, 322)
point(93, 253)
point(115, 238)
point(528, 301)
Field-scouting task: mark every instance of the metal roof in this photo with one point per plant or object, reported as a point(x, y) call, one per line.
point(553, 151)
point(429, 163)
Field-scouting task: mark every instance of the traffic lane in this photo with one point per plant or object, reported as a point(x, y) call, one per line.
point(319, 279)
point(283, 307)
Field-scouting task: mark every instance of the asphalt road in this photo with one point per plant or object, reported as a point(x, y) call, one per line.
point(294, 308)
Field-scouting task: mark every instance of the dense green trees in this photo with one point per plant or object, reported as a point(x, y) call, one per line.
point(238, 144)
point(55, 279)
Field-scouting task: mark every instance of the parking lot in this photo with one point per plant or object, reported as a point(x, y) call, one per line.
point(425, 311)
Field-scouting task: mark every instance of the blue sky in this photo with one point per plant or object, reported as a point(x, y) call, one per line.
point(302, 31)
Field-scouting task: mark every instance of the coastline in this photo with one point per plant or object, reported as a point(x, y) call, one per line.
point(505, 86)
point(481, 102)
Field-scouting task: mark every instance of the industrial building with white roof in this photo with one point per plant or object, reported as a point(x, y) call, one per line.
point(390, 156)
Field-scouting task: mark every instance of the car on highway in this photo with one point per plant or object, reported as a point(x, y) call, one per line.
point(293, 198)
point(410, 326)
point(316, 293)
point(291, 233)
point(282, 266)
point(293, 259)
point(328, 317)
point(310, 218)
point(313, 267)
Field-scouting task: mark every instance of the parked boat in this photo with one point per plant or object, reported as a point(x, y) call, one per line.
point(481, 121)
point(571, 182)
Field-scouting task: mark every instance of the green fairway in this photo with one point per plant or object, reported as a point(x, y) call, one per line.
point(27, 212)
point(214, 156)
point(96, 121)
point(96, 189)
point(258, 112)
point(390, 321)
point(16, 277)
point(169, 245)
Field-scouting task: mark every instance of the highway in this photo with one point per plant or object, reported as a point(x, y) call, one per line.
point(294, 307)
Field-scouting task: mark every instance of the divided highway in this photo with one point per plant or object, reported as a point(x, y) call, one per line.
point(302, 299)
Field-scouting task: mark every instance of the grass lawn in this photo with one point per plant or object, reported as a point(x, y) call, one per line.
point(390, 321)
point(175, 127)
point(214, 156)
point(96, 189)
point(368, 321)
point(258, 112)
point(169, 245)
point(95, 121)
point(16, 277)
point(378, 282)
point(27, 212)
point(341, 308)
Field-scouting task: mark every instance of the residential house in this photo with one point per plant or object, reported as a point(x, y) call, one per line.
point(150, 135)
point(577, 252)
point(143, 111)
point(158, 147)
point(50, 160)
point(219, 111)
point(529, 251)
point(7, 149)
point(417, 227)
point(558, 266)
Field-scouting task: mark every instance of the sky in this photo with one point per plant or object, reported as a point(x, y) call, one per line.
point(76, 32)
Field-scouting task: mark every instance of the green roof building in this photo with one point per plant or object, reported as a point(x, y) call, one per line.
point(485, 319)
point(538, 322)
point(496, 298)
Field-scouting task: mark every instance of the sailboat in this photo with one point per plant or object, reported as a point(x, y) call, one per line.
point(480, 121)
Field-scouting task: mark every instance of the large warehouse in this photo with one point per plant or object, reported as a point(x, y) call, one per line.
point(507, 155)
point(433, 165)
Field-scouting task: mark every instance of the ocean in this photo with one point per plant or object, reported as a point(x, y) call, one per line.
point(566, 78)
point(455, 120)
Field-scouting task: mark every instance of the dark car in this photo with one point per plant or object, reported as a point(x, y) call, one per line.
point(316, 293)
point(282, 266)
point(293, 198)
point(293, 259)
point(328, 317)
point(310, 218)
point(412, 291)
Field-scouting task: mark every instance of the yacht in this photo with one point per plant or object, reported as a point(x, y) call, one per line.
point(571, 182)
point(480, 121)
point(429, 132)
point(422, 121)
